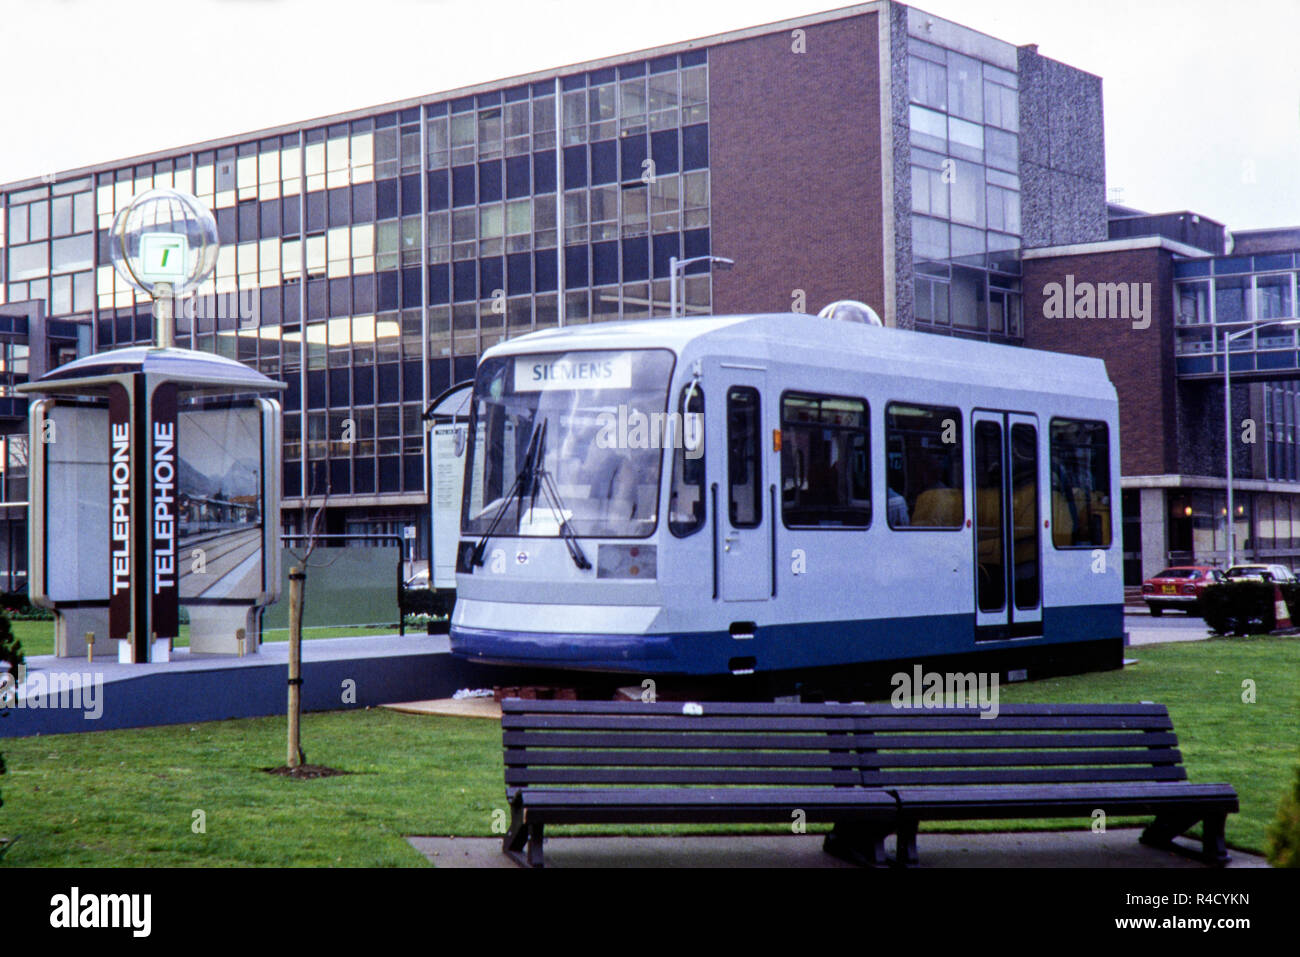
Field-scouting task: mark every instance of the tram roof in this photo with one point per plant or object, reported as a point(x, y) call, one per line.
point(834, 343)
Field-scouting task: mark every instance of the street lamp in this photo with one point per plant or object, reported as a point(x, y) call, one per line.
point(1227, 420)
point(677, 266)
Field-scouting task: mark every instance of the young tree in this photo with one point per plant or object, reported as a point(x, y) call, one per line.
point(297, 586)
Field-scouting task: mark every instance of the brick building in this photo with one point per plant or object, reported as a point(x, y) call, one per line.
point(1166, 288)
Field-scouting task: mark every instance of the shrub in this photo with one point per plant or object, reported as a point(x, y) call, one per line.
point(1245, 606)
point(15, 601)
point(425, 601)
point(1284, 833)
point(11, 649)
point(11, 654)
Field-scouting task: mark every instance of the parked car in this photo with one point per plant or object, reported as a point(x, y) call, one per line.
point(1179, 587)
point(1275, 573)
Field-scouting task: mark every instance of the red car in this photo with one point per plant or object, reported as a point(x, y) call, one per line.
point(1179, 587)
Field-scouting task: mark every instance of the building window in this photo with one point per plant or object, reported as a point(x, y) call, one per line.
point(1193, 303)
point(1273, 297)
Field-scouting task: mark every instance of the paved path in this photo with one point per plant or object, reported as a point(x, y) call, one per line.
point(1080, 848)
point(1171, 626)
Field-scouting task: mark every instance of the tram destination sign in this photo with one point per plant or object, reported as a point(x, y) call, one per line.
point(573, 370)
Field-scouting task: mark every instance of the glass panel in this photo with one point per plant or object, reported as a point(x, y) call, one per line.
point(546, 419)
point(686, 500)
point(1230, 301)
point(744, 467)
point(991, 573)
point(825, 461)
point(1273, 297)
point(924, 466)
point(1024, 514)
point(1080, 484)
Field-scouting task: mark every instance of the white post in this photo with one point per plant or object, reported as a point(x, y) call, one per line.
point(164, 322)
point(1227, 437)
point(672, 288)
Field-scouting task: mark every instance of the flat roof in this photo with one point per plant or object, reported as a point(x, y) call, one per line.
point(840, 13)
point(984, 44)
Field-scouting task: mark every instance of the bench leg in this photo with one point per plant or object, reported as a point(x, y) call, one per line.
point(1214, 849)
point(535, 858)
point(517, 836)
point(905, 855)
point(1162, 831)
point(858, 844)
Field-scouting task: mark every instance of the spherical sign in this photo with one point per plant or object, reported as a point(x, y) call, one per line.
point(850, 310)
point(164, 238)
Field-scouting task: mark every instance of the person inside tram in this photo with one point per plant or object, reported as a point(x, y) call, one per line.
point(938, 505)
point(601, 472)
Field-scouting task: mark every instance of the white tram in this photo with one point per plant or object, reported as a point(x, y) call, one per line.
point(774, 494)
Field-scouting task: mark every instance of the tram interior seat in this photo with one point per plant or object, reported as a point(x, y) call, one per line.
point(1081, 518)
point(938, 508)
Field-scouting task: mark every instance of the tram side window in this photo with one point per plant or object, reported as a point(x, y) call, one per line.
point(744, 478)
point(1080, 484)
point(686, 498)
point(825, 461)
point(924, 466)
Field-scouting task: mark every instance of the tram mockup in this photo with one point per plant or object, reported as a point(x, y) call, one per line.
point(776, 495)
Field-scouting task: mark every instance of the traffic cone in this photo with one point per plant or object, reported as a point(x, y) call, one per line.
point(1281, 616)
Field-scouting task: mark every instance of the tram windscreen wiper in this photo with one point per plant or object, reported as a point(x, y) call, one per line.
point(540, 480)
point(517, 490)
point(531, 479)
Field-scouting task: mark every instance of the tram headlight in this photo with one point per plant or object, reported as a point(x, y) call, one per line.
point(632, 562)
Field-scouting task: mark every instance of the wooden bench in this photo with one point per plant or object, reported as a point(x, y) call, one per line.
point(735, 763)
point(868, 769)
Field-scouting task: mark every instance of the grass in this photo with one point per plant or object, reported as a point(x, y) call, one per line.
point(1253, 747)
point(38, 636)
point(127, 798)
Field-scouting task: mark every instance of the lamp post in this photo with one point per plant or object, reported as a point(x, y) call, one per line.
point(1227, 421)
point(678, 266)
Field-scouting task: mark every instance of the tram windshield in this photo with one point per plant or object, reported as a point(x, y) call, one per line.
point(593, 423)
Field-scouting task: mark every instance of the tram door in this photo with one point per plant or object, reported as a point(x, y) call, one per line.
point(743, 509)
point(1008, 540)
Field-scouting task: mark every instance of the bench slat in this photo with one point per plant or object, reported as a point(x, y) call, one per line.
point(740, 797)
point(820, 742)
point(533, 776)
point(528, 777)
point(549, 758)
point(795, 709)
point(897, 721)
point(945, 801)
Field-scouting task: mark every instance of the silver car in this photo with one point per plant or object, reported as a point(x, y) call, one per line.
point(1276, 573)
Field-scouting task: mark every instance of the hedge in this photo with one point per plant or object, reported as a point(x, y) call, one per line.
point(1246, 606)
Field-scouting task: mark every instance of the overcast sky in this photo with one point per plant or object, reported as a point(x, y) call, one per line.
point(1202, 98)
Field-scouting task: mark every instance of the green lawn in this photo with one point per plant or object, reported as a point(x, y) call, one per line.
point(128, 797)
point(38, 636)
